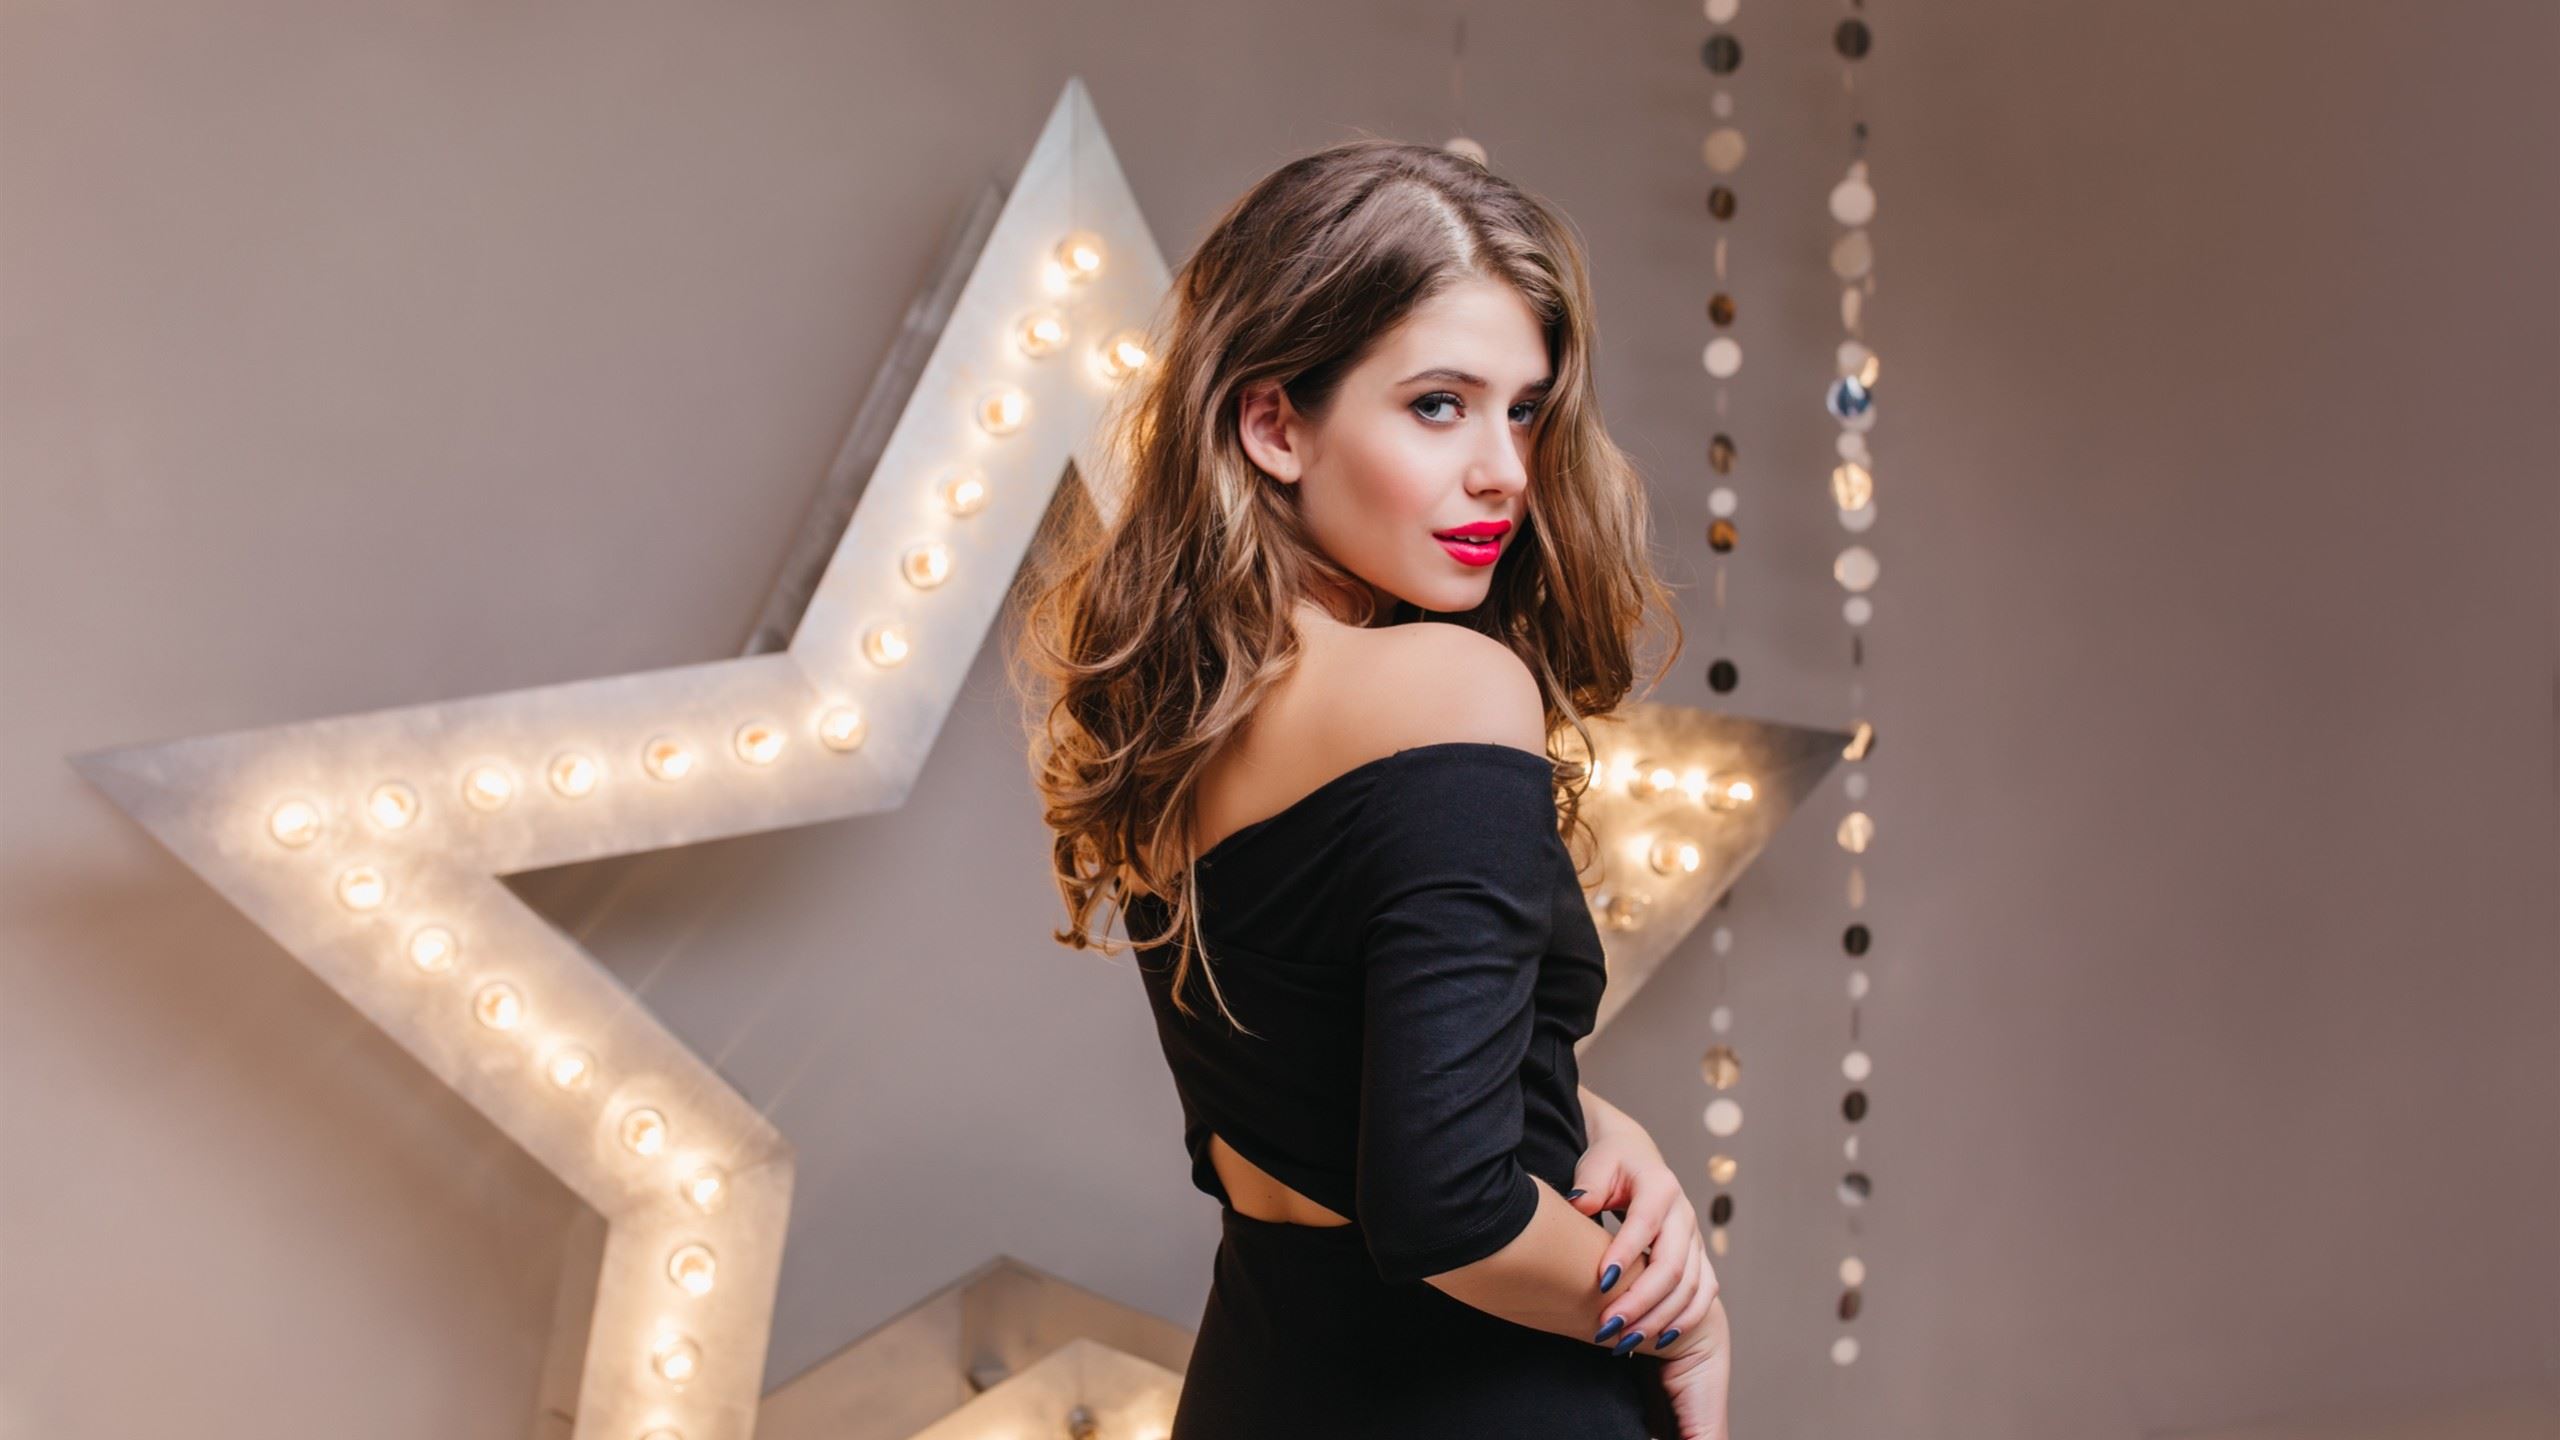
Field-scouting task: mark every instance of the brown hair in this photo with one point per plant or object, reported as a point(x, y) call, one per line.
point(1145, 643)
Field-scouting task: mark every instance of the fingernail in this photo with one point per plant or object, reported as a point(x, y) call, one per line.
point(1616, 1323)
point(1608, 1277)
point(1667, 1337)
point(1573, 1194)
point(1629, 1344)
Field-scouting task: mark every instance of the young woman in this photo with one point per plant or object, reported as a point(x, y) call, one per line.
point(1373, 549)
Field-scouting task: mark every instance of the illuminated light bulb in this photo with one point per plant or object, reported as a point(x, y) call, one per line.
point(294, 824)
point(1122, 356)
point(361, 887)
point(667, 758)
point(691, 1268)
point(886, 644)
point(926, 565)
point(392, 805)
point(1003, 411)
point(644, 1131)
point(963, 492)
point(1671, 854)
point(498, 1006)
point(705, 1188)
point(759, 742)
point(843, 728)
point(1727, 792)
point(676, 1359)
point(433, 950)
point(487, 787)
point(1622, 912)
point(575, 775)
point(1646, 780)
point(1041, 334)
point(1080, 255)
point(1852, 485)
point(570, 1068)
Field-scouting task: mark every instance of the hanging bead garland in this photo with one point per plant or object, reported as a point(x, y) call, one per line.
point(1720, 1069)
point(1849, 400)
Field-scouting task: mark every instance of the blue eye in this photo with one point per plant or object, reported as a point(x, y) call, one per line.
point(1436, 395)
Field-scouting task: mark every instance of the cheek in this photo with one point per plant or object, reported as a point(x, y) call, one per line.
point(1390, 474)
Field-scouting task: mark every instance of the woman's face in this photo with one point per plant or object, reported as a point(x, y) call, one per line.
point(1429, 433)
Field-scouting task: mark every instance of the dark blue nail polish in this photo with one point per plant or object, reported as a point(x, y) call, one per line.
point(1608, 1278)
point(1628, 1345)
point(1616, 1323)
point(1573, 1194)
point(1667, 1337)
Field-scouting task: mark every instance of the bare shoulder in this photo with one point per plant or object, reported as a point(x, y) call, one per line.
point(1361, 695)
point(1430, 682)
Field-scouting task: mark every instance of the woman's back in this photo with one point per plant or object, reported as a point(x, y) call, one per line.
point(1404, 935)
point(1356, 697)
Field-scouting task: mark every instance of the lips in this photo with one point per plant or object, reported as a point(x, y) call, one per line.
point(1477, 544)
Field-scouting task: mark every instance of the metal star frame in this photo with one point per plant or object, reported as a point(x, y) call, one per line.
point(371, 845)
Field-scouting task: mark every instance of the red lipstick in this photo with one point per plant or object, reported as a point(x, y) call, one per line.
point(1479, 543)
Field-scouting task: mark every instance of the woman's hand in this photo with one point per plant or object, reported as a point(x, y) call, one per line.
point(1699, 1380)
point(1669, 1296)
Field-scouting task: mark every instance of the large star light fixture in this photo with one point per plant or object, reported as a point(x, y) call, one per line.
point(371, 845)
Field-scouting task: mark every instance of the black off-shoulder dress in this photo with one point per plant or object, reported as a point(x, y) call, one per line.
point(1413, 949)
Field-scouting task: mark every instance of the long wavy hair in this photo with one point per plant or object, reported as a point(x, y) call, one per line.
point(1146, 641)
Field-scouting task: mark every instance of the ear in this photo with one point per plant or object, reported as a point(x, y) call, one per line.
point(1266, 425)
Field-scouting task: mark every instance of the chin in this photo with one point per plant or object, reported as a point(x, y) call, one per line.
point(1454, 599)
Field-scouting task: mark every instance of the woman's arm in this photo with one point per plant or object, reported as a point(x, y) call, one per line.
point(1600, 1118)
point(1544, 1278)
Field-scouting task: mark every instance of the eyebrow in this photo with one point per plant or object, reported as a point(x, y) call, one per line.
point(1443, 372)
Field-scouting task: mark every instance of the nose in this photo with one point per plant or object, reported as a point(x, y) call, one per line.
point(1498, 467)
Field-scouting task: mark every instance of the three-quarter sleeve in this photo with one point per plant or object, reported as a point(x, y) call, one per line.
point(1452, 882)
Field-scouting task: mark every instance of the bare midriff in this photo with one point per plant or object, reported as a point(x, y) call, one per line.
point(1253, 1193)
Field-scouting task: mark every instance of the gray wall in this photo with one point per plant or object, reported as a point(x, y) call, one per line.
point(359, 358)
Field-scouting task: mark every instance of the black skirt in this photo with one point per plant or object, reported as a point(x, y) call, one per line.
point(1301, 1339)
